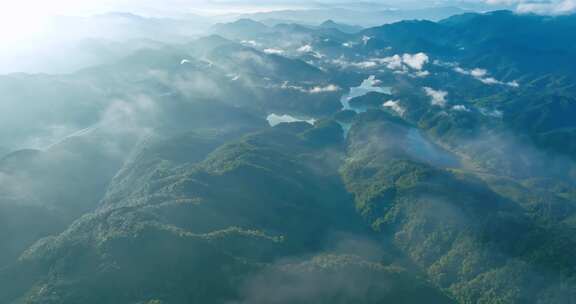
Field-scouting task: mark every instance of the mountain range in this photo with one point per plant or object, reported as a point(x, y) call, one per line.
point(279, 162)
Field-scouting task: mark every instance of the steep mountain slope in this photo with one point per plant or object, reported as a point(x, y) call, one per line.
point(42, 192)
point(211, 221)
point(501, 41)
point(473, 241)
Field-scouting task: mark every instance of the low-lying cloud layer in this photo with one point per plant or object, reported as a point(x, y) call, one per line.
point(479, 74)
point(394, 105)
point(483, 76)
point(405, 62)
point(437, 97)
point(409, 64)
point(546, 7)
point(319, 89)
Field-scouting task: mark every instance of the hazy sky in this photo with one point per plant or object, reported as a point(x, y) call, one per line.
point(14, 9)
point(21, 20)
point(75, 7)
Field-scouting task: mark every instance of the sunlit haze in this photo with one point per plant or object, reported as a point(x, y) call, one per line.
point(287, 151)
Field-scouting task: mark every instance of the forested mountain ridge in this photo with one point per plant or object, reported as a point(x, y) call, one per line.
point(413, 162)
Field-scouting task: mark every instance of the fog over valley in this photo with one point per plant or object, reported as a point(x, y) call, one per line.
point(247, 152)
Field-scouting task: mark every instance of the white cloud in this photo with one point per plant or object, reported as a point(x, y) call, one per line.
point(422, 74)
point(318, 55)
point(365, 39)
point(274, 51)
point(483, 76)
point(328, 88)
point(555, 8)
point(287, 86)
point(400, 63)
point(437, 97)
point(492, 113)
point(478, 72)
point(552, 7)
point(371, 82)
point(513, 84)
point(404, 64)
point(394, 62)
point(416, 61)
point(252, 43)
point(233, 77)
point(314, 90)
point(365, 64)
point(460, 108)
point(506, 2)
point(305, 48)
point(395, 106)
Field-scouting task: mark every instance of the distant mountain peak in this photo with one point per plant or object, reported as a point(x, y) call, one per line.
point(248, 21)
point(244, 26)
point(328, 22)
point(331, 24)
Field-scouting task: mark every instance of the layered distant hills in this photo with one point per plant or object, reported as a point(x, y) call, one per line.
point(273, 162)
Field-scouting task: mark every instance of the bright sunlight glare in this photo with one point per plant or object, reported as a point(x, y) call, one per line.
point(23, 21)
